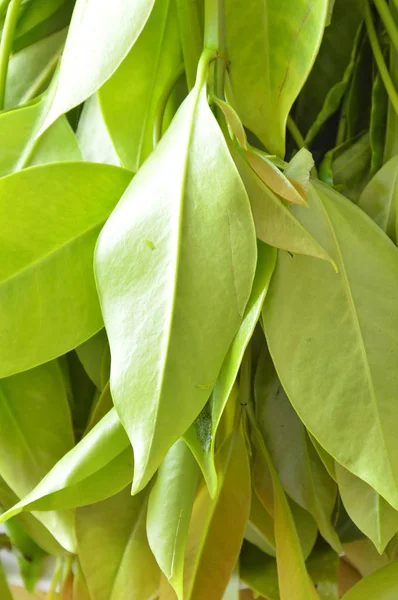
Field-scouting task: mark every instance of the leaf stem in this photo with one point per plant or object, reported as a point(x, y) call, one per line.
point(55, 579)
point(295, 133)
point(378, 55)
point(389, 23)
point(214, 39)
point(191, 37)
point(6, 45)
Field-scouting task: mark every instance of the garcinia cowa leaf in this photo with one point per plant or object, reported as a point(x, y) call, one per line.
point(48, 298)
point(174, 264)
point(310, 311)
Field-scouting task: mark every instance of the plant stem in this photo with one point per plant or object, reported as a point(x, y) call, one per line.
point(6, 45)
point(191, 37)
point(215, 40)
point(295, 133)
point(389, 23)
point(55, 579)
point(3, 6)
point(378, 55)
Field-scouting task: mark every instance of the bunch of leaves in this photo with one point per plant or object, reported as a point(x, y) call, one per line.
point(199, 298)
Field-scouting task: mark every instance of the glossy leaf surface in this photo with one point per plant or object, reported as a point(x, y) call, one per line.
point(284, 39)
point(49, 268)
point(347, 312)
point(131, 99)
point(114, 552)
point(381, 585)
point(166, 283)
point(85, 66)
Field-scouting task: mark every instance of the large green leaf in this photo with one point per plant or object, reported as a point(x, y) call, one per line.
point(310, 311)
point(35, 432)
point(113, 549)
point(294, 582)
point(175, 264)
point(259, 572)
point(85, 66)
point(169, 511)
point(369, 511)
point(30, 69)
point(93, 354)
point(282, 38)
point(379, 198)
point(213, 543)
point(323, 567)
point(300, 469)
point(48, 297)
point(274, 221)
point(17, 130)
point(130, 98)
point(201, 436)
point(83, 475)
point(93, 136)
point(381, 585)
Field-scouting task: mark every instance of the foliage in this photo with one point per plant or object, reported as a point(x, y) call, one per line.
point(199, 298)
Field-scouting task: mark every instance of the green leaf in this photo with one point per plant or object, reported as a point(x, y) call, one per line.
point(363, 555)
point(294, 582)
point(34, 28)
point(168, 287)
point(83, 475)
point(201, 436)
point(378, 121)
point(113, 548)
point(379, 198)
point(4, 589)
point(305, 322)
point(259, 572)
point(274, 221)
point(323, 567)
point(369, 511)
point(29, 555)
point(30, 69)
point(260, 528)
point(93, 135)
point(347, 167)
point(381, 585)
point(17, 130)
point(49, 269)
point(299, 467)
point(169, 511)
point(213, 544)
point(92, 355)
point(80, 589)
point(84, 65)
point(130, 99)
point(35, 432)
point(284, 40)
point(332, 70)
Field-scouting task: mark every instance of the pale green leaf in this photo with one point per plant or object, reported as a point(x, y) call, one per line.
point(169, 511)
point(113, 549)
point(310, 312)
point(379, 198)
point(275, 223)
point(298, 170)
point(381, 585)
point(84, 474)
point(282, 38)
point(92, 354)
point(259, 572)
point(35, 432)
point(218, 524)
point(85, 66)
point(323, 567)
point(17, 130)
point(48, 295)
point(299, 467)
point(93, 135)
point(202, 434)
point(368, 510)
point(30, 69)
point(174, 265)
point(130, 98)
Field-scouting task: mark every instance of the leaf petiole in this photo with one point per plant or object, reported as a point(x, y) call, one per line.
point(6, 45)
